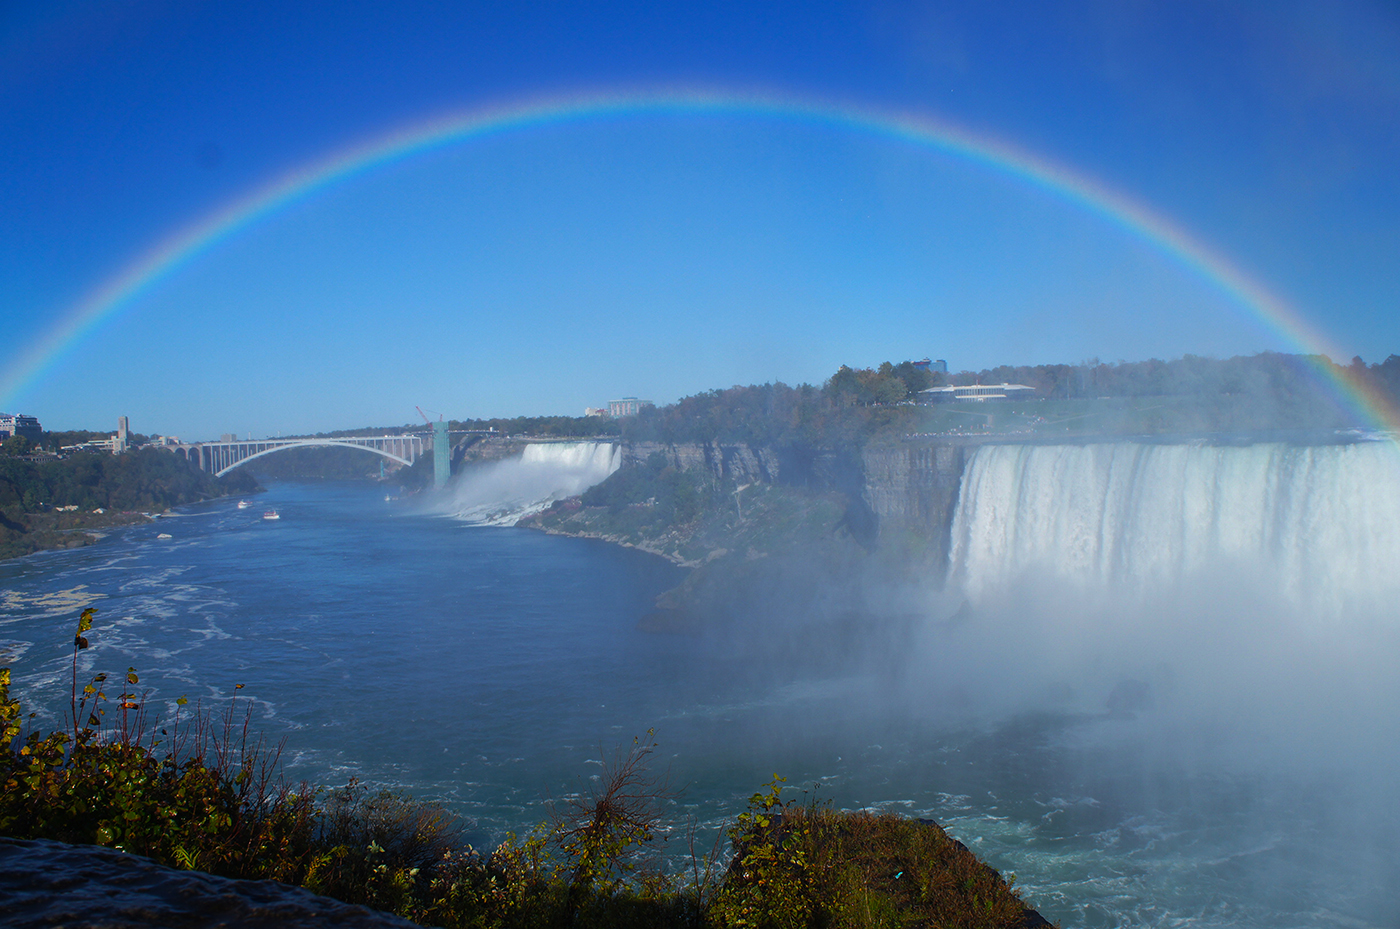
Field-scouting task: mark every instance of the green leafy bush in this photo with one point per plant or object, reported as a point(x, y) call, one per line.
point(798, 866)
point(197, 793)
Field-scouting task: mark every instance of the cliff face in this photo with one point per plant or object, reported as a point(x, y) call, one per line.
point(742, 464)
point(900, 495)
point(896, 500)
point(912, 491)
point(810, 541)
point(475, 448)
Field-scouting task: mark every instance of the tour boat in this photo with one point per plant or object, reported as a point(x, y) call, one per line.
point(244, 504)
point(272, 514)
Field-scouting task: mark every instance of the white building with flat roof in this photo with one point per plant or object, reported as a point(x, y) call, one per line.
point(627, 406)
point(976, 392)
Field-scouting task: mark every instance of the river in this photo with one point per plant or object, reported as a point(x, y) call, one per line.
point(496, 668)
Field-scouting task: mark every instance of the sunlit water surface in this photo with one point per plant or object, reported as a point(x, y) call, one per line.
point(495, 668)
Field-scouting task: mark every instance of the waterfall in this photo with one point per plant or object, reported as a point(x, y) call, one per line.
point(501, 493)
point(1319, 525)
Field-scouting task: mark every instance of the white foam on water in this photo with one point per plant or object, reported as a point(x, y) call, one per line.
point(1240, 603)
point(501, 493)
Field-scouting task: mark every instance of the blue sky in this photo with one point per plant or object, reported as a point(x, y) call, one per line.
point(564, 264)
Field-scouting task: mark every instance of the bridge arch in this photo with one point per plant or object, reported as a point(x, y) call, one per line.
point(314, 443)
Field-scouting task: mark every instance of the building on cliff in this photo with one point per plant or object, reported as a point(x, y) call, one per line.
point(627, 406)
point(976, 392)
point(13, 424)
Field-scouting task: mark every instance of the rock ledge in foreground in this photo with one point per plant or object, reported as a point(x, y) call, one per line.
point(46, 884)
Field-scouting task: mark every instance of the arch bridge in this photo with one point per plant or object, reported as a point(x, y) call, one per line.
point(223, 457)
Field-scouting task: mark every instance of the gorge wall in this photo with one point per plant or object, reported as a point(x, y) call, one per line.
point(912, 493)
point(898, 494)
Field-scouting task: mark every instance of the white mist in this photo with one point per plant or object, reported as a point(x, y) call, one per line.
point(501, 493)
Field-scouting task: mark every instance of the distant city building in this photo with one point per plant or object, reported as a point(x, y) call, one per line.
point(94, 445)
point(977, 392)
point(598, 411)
point(122, 441)
point(12, 424)
point(228, 437)
point(627, 406)
point(940, 365)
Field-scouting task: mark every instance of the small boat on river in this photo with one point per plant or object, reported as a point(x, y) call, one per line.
point(272, 514)
point(244, 504)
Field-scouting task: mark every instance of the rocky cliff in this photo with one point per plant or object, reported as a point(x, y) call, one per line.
point(897, 497)
point(741, 464)
point(911, 490)
point(45, 885)
point(893, 493)
point(901, 495)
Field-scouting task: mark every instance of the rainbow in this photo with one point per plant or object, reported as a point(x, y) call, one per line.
point(185, 245)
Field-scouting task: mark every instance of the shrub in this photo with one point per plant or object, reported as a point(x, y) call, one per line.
point(196, 794)
point(804, 866)
point(381, 849)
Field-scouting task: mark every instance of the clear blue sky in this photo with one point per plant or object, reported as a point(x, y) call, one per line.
point(564, 265)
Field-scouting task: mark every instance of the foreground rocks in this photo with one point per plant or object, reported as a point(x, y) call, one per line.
point(50, 884)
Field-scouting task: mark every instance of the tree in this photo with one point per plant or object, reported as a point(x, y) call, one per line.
point(608, 836)
point(15, 445)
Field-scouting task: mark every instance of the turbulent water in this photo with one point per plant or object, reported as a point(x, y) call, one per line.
point(1158, 687)
point(1234, 610)
point(501, 493)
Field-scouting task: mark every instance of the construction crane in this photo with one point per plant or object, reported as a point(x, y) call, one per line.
point(425, 415)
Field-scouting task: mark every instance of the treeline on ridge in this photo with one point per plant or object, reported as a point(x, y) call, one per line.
point(1267, 390)
point(1267, 373)
point(854, 405)
point(142, 479)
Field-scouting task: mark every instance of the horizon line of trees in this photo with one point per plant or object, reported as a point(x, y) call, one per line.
point(1190, 375)
point(856, 403)
point(143, 479)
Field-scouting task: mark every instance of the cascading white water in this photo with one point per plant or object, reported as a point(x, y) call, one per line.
point(1321, 522)
point(1216, 630)
point(502, 493)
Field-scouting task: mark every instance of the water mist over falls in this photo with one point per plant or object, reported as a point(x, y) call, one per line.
point(1194, 650)
point(501, 493)
point(1243, 599)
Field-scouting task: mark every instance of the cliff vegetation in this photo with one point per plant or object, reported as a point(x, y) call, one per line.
point(49, 502)
point(1191, 394)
